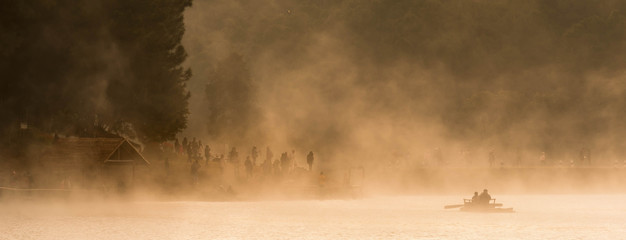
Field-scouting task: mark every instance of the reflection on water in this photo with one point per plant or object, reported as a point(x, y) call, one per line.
point(423, 217)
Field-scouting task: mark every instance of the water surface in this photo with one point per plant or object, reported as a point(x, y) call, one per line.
point(407, 217)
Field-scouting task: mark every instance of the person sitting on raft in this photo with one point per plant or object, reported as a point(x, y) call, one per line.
point(475, 198)
point(484, 198)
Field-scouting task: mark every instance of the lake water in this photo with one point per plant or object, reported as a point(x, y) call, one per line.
point(406, 217)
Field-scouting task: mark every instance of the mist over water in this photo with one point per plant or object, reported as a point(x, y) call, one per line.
point(376, 114)
point(422, 217)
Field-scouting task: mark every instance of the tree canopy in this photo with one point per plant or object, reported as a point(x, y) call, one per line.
point(70, 65)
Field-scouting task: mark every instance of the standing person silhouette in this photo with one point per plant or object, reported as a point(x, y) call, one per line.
point(233, 156)
point(309, 160)
point(207, 154)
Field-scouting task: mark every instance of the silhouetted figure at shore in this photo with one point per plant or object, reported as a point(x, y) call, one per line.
point(248, 165)
point(233, 156)
point(542, 159)
point(284, 163)
point(309, 160)
point(292, 159)
point(200, 149)
point(195, 167)
point(189, 154)
point(267, 166)
point(207, 153)
point(194, 147)
point(185, 145)
point(255, 154)
point(276, 167)
point(177, 147)
point(268, 154)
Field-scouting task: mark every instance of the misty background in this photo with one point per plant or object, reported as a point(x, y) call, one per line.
point(370, 80)
point(350, 80)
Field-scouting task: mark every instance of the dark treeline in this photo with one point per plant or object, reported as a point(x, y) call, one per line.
point(69, 65)
point(539, 74)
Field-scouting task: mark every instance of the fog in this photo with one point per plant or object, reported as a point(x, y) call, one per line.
point(367, 83)
point(312, 119)
point(440, 97)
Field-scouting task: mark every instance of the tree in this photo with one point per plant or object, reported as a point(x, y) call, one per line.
point(152, 97)
point(71, 65)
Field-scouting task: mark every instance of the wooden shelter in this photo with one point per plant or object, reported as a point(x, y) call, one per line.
point(89, 160)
